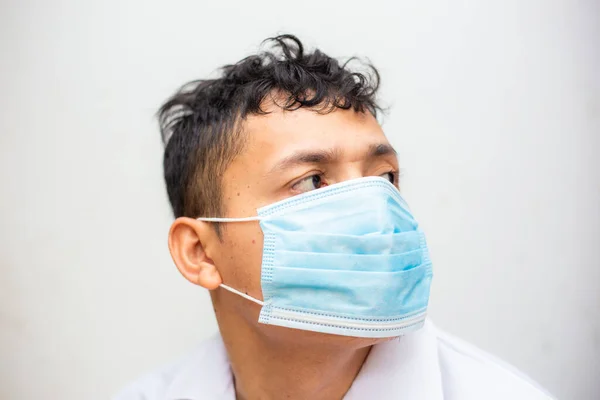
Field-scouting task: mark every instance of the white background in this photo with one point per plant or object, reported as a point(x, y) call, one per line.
point(495, 112)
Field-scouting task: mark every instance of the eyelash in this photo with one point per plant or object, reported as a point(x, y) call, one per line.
point(316, 173)
point(395, 175)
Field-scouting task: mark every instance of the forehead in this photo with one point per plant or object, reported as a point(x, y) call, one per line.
point(283, 132)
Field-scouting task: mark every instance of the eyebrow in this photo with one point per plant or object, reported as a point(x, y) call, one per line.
point(328, 156)
point(382, 149)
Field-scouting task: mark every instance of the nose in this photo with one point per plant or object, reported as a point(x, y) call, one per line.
point(350, 170)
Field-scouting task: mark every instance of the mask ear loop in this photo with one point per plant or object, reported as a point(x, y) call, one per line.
point(244, 219)
point(244, 295)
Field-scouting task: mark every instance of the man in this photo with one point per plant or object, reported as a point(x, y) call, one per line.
point(286, 195)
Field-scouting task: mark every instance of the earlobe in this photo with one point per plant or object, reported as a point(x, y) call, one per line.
point(189, 244)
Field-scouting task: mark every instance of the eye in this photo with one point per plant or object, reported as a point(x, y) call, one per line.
point(390, 176)
point(309, 183)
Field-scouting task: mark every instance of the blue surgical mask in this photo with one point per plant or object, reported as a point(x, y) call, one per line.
point(348, 259)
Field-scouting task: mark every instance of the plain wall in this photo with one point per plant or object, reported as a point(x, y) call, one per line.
point(495, 110)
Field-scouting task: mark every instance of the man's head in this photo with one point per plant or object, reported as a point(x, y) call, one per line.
point(202, 124)
point(272, 126)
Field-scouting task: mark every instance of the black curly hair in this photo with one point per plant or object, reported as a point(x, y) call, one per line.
point(201, 123)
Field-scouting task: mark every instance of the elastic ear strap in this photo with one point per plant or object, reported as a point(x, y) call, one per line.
point(244, 295)
point(244, 219)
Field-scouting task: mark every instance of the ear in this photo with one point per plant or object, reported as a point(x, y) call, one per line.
point(190, 242)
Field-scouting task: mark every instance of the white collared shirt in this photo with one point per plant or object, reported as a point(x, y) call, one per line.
point(424, 365)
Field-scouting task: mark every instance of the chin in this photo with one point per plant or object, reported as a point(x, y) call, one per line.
point(302, 337)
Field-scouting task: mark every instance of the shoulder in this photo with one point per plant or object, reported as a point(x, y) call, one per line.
point(204, 370)
point(470, 373)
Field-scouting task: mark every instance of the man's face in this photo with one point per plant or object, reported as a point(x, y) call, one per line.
point(287, 153)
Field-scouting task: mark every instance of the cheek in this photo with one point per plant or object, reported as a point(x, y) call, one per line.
point(240, 256)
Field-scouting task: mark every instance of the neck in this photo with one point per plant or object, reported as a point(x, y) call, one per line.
point(276, 367)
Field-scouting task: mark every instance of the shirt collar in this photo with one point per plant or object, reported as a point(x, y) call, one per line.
point(407, 367)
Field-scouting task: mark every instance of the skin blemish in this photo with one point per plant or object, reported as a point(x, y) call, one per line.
point(238, 194)
point(253, 241)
